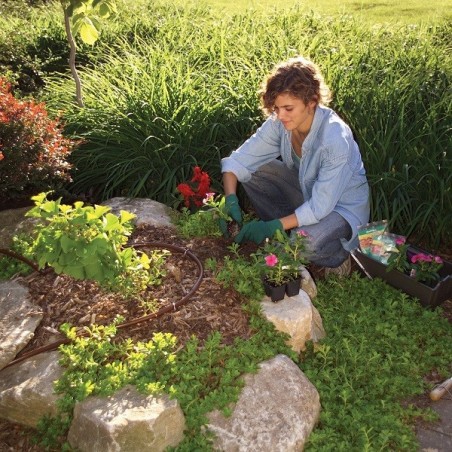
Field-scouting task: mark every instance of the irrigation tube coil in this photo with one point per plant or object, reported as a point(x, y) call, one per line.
point(171, 307)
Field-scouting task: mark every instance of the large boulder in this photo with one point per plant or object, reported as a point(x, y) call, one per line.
point(276, 411)
point(26, 389)
point(127, 421)
point(146, 210)
point(18, 320)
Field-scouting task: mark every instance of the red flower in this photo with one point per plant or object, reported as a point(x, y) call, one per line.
point(196, 190)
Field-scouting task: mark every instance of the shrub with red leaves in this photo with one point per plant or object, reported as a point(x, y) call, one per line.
point(33, 151)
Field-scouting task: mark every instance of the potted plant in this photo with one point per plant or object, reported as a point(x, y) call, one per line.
point(281, 258)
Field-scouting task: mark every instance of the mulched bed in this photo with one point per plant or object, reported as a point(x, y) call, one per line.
point(211, 307)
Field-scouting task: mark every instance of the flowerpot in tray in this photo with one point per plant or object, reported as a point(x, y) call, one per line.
point(427, 295)
point(276, 293)
point(293, 287)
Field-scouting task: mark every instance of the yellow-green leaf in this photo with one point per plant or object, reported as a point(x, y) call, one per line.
point(88, 32)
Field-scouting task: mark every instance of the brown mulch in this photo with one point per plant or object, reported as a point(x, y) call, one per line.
point(80, 303)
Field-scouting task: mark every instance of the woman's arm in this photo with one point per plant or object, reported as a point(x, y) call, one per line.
point(229, 183)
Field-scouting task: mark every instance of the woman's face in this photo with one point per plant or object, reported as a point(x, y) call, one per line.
point(294, 113)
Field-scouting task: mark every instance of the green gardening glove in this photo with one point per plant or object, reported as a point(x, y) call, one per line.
point(231, 208)
point(258, 231)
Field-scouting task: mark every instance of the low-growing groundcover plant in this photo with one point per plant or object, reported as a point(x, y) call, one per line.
point(380, 344)
point(202, 379)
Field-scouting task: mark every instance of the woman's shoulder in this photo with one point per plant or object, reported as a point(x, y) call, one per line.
point(332, 125)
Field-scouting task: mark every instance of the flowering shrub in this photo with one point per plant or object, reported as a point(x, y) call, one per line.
point(33, 150)
point(196, 190)
point(421, 266)
point(282, 257)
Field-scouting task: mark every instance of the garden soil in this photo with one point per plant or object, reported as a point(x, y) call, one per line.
point(211, 308)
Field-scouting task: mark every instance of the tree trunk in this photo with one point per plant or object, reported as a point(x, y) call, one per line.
point(73, 49)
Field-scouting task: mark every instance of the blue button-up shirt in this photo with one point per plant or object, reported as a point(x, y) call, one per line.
point(331, 174)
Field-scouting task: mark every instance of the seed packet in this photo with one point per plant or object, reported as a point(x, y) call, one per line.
point(383, 245)
point(367, 232)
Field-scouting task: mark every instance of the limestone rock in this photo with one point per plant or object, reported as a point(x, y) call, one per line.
point(276, 411)
point(26, 389)
point(294, 316)
point(127, 421)
point(18, 320)
point(307, 283)
point(147, 211)
point(13, 222)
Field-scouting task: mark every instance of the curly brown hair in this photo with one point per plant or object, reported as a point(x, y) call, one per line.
point(298, 77)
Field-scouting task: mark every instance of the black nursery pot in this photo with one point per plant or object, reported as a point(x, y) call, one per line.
point(276, 293)
point(293, 287)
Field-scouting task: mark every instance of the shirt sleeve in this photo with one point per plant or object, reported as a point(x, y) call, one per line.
point(333, 178)
point(261, 148)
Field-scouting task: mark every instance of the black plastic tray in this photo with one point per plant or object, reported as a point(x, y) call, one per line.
point(428, 296)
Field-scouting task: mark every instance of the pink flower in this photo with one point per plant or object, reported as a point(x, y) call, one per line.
point(302, 233)
point(208, 198)
point(271, 260)
point(400, 241)
point(438, 260)
point(421, 257)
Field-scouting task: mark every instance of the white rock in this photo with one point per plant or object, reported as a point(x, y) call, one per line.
point(126, 421)
point(147, 211)
point(276, 411)
point(18, 320)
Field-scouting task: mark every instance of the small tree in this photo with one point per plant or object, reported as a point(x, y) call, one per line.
point(83, 17)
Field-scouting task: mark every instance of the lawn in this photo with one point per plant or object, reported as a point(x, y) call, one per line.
point(374, 11)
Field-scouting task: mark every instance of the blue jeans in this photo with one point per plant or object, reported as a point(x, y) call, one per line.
point(274, 191)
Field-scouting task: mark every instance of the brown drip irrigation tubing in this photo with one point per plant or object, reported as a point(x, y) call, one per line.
point(164, 310)
point(11, 253)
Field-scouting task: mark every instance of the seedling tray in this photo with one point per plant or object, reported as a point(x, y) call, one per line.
point(428, 296)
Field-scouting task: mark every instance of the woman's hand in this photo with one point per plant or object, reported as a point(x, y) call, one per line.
point(258, 231)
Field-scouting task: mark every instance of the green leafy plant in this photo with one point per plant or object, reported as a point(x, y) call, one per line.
point(88, 242)
point(239, 272)
point(198, 224)
point(201, 377)
point(398, 258)
point(379, 347)
point(216, 205)
point(22, 244)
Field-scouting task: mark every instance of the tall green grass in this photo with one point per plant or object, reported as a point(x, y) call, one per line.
point(171, 86)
